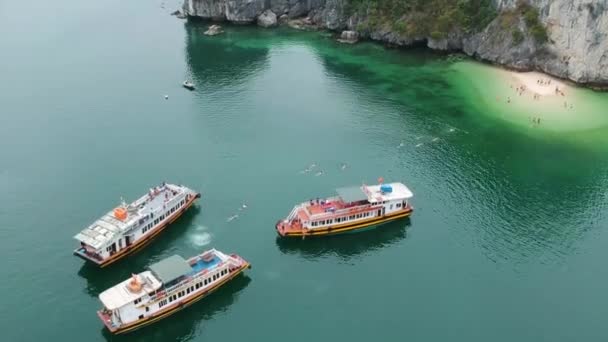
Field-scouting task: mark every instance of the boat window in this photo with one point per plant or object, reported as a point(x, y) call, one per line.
point(198, 285)
point(398, 205)
point(147, 308)
point(141, 316)
point(351, 217)
point(391, 206)
point(187, 290)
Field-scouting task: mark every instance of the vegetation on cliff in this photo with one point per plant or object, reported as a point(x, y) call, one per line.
point(434, 18)
point(437, 18)
point(530, 16)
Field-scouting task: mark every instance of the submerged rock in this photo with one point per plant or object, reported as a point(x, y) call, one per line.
point(349, 37)
point(214, 30)
point(267, 19)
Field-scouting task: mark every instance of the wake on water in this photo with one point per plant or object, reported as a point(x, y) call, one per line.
point(201, 237)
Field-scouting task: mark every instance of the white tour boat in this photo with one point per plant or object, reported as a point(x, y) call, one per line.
point(355, 208)
point(129, 227)
point(165, 288)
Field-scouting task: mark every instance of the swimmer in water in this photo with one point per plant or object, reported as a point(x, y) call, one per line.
point(232, 218)
point(319, 173)
point(343, 166)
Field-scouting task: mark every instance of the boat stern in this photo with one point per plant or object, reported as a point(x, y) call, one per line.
point(105, 317)
point(83, 254)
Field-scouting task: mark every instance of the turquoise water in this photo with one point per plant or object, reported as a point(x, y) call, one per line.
point(507, 241)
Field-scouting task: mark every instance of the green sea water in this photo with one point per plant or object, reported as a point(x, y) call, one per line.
point(507, 242)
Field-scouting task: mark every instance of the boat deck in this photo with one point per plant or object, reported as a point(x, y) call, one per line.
point(201, 264)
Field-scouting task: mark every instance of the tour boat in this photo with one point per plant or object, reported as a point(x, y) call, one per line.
point(130, 227)
point(353, 208)
point(188, 85)
point(165, 288)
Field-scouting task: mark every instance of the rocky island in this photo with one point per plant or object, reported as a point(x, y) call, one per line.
point(564, 38)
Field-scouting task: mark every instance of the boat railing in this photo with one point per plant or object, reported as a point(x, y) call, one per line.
point(186, 280)
point(294, 212)
point(338, 212)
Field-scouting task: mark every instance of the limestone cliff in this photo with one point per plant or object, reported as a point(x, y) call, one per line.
point(574, 33)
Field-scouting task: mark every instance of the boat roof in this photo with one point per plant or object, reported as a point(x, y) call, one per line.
point(119, 295)
point(107, 227)
point(170, 268)
point(352, 194)
point(399, 192)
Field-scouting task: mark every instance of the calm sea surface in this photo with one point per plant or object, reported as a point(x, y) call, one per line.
point(507, 243)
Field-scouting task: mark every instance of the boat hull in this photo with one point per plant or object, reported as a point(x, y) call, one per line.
point(350, 228)
point(138, 244)
point(171, 309)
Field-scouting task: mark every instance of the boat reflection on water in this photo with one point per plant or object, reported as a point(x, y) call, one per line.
point(347, 245)
point(99, 280)
point(183, 325)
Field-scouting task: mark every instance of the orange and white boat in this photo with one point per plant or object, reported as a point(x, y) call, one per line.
point(165, 288)
point(128, 228)
point(354, 208)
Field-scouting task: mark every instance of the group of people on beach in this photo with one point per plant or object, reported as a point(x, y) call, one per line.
point(543, 82)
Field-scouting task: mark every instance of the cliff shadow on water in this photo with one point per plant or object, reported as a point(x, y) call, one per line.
point(219, 61)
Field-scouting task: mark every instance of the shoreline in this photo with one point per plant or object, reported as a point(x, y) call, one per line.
point(304, 23)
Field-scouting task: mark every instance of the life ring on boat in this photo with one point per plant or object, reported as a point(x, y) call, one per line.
point(134, 285)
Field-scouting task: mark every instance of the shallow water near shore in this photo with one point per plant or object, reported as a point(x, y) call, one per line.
point(507, 242)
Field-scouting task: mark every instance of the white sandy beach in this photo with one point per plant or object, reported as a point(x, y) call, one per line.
point(541, 84)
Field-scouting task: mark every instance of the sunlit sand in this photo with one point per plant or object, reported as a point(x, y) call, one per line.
point(531, 99)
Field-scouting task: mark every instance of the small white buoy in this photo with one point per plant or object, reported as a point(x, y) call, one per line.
point(166, 97)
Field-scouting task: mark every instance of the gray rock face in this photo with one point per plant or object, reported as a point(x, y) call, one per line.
point(349, 37)
point(578, 32)
point(267, 19)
